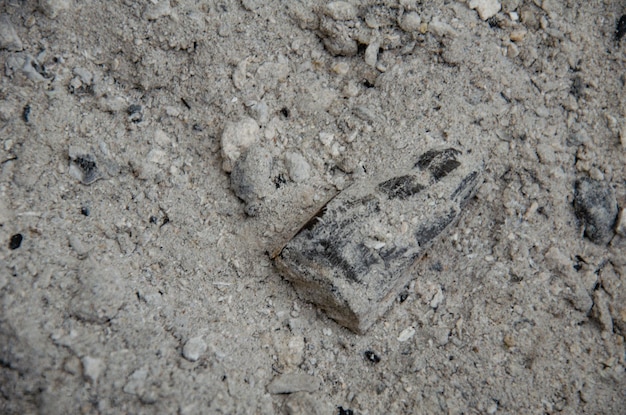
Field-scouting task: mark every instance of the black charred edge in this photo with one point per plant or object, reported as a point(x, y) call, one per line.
point(391, 254)
point(332, 254)
point(401, 187)
point(427, 158)
point(313, 221)
point(440, 171)
point(620, 28)
point(428, 232)
point(465, 188)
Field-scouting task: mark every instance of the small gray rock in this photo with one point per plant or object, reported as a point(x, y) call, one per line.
point(92, 368)
point(250, 178)
point(236, 138)
point(293, 382)
point(340, 10)
point(297, 167)
point(596, 206)
point(194, 348)
point(410, 22)
point(101, 294)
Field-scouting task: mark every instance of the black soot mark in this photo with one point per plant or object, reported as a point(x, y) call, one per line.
point(401, 187)
point(428, 232)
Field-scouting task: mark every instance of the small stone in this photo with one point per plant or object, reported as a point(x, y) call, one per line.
point(406, 334)
point(410, 22)
point(297, 167)
point(293, 382)
point(161, 138)
point(72, 365)
point(518, 35)
point(9, 39)
point(326, 138)
point(77, 245)
point(85, 76)
point(442, 336)
point(158, 10)
point(101, 294)
point(92, 368)
point(371, 53)
point(157, 156)
point(236, 138)
point(341, 68)
point(250, 178)
point(295, 351)
point(596, 206)
point(340, 10)
point(15, 241)
point(546, 153)
point(52, 8)
point(441, 29)
point(136, 381)
point(485, 8)
point(194, 348)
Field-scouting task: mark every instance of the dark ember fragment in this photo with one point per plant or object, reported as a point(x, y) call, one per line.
point(345, 411)
point(26, 113)
point(403, 296)
point(371, 356)
point(15, 241)
point(620, 29)
point(401, 187)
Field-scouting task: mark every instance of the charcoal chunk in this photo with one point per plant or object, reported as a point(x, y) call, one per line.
point(402, 187)
point(353, 257)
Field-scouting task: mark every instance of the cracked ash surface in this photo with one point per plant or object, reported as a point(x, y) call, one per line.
point(150, 290)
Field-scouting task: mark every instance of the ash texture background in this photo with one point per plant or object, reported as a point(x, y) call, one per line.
point(153, 152)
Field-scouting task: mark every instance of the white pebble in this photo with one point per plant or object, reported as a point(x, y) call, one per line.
point(485, 8)
point(439, 28)
point(406, 334)
point(8, 36)
point(194, 348)
point(297, 167)
point(236, 138)
point(437, 298)
point(371, 53)
point(326, 138)
point(161, 138)
point(340, 10)
point(410, 22)
point(85, 76)
point(92, 368)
